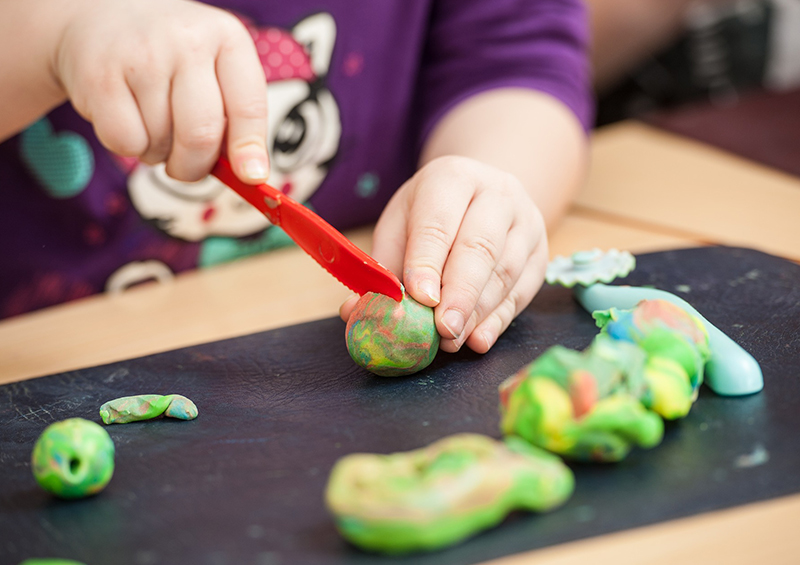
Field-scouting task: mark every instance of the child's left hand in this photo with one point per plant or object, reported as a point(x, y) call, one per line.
point(467, 239)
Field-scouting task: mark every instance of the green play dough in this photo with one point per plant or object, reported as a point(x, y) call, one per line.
point(391, 338)
point(586, 406)
point(73, 458)
point(147, 406)
point(434, 497)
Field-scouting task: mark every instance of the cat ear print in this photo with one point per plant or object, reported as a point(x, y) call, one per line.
point(317, 34)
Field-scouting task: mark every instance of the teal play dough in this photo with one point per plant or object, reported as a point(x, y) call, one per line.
point(62, 162)
point(73, 458)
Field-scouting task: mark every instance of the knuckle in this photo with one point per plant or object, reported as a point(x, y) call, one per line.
point(435, 234)
point(469, 289)
point(507, 186)
point(452, 162)
point(253, 108)
point(446, 166)
point(506, 274)
point(146, 67)
point(193, 37)
point(231, 27)
point(483, 247)
point(101, 84)
point(510, 181)
point(420, 269)
point(202, 137)
point(143, 58)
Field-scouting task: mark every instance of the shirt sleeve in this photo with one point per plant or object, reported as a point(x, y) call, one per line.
point(479, 45)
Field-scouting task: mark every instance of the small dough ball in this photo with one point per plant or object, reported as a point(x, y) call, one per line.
point(73, 458)
point(391, 338)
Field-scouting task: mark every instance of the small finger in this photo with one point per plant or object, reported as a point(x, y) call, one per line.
point(478, 247)
point(244, 92)
point(198, 122)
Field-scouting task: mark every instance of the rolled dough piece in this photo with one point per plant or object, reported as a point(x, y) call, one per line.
point(147, 406)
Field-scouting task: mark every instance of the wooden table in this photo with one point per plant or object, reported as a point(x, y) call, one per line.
point(647, 191)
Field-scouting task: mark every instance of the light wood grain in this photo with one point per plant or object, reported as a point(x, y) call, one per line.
point(765, 532)
point(642, 174)
point(585, 229)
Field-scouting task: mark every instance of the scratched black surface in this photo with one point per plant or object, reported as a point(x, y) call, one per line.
point(243, 483)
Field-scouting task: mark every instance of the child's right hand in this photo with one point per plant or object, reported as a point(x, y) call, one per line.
point(167, 80)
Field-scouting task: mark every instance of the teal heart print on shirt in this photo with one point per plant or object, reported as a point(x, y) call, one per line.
point(62, 162)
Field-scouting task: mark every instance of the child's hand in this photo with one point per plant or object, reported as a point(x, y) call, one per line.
point(159, 79)
point(473, 231)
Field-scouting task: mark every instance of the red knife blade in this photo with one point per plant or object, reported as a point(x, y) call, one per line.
point(327, 246)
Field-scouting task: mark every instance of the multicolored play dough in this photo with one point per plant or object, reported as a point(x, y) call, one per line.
point(147, 406)
point(73, 458)
point(646, 364)
point(585, 406)
point(676, 345)
point(391, 338)
point(434, 497)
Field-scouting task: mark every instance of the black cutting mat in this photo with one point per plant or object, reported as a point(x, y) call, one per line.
point(243, 483)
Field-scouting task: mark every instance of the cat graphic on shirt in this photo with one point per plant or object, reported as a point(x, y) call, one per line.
point(304, 130)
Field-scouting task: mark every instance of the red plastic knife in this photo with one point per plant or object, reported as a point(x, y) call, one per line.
point(333, 251)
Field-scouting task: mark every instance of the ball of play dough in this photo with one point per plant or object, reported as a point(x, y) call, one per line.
point(73, 458)
point(391, 338)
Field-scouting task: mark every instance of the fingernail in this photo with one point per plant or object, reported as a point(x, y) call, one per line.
point(255, 168)
point(453, 320)
point(431, 290)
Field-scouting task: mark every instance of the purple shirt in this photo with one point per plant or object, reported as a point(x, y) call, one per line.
point(354, 88)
